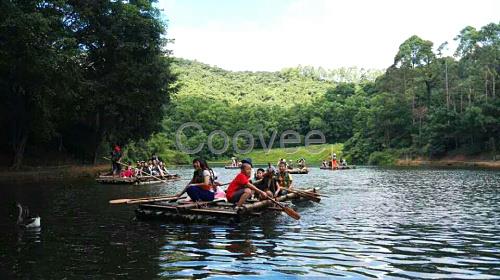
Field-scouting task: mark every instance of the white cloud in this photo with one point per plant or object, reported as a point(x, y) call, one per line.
point(325, 33)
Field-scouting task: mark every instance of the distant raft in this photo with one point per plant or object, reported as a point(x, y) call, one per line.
point(137, 180)
point(298, 170)
point(217, 211)
point(231, 167)
point(341, 167)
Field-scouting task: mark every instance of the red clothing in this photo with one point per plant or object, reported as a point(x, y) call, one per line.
point(239, 182)
point(128, 173)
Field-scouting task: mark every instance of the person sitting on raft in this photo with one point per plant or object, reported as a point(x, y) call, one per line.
point(283, 180)
point(240, 189)
point(202, 185)
point(263, 181)
point(163, 168)
point(302, 163)
point(129, 172)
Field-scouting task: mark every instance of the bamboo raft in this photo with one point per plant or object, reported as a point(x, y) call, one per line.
point(218, 211)
point(340, 167)
point(231, 167)
point(138, 180)
point(298, 170)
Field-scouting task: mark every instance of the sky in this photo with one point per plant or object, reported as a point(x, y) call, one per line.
point(269, 35)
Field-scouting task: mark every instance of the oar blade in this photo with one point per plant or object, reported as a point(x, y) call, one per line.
point(119, 201)
point(290, 212)
point(308, 196)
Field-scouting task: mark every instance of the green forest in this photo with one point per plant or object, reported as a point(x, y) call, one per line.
point(76, 78)
point(425, 105)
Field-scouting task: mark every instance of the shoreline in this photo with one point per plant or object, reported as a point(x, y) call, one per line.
point(66, 172)
point(52, 173)
point(495, 165)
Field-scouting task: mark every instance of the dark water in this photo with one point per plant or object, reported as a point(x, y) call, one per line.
point(386, 223)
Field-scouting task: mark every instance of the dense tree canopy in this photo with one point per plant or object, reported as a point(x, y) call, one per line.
point(424, 105)
point(77, 74)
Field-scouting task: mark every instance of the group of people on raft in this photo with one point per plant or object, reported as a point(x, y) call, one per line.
point(333, 163)
point(152, 167)
point(301, 163)
point(235, 162)
point(266, 183)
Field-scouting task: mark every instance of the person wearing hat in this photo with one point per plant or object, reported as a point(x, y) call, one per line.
point(240, 189)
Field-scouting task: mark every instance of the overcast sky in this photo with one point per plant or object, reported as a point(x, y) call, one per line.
point(269, 35)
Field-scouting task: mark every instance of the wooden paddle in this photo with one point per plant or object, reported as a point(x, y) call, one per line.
point(140, 170)
point(144, 199)
point(312, 193)
point(289, 211)
point(155, 200)
point(306, 195)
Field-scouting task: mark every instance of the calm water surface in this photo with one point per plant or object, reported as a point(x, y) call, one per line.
point(386, 223)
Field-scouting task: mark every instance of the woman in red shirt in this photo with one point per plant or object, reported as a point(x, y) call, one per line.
point(240, 189)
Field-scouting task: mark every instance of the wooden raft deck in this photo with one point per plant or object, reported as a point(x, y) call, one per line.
point(231, 167)
point(340, 167)
point(141, 180)
point(298, 171)
point(211, 212)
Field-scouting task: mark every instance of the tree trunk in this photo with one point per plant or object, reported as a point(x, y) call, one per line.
point(470, 96)
point(20, 125)
point(493, 85)
point(412, 108)
point(493, 148)
point(428, 89)
point(446, 86)
point(19, 151)
point(98, 137)
point(461, 101)
point(486, 86)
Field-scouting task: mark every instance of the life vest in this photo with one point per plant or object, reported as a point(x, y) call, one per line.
point(283, 179)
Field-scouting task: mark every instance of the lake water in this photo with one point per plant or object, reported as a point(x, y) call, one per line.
point(386, 223)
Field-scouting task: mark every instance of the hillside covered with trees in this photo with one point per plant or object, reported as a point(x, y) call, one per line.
point(424, 105)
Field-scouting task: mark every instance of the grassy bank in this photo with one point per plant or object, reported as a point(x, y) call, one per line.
point(313, 154)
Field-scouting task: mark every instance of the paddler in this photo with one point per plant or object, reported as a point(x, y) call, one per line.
point(240, 189)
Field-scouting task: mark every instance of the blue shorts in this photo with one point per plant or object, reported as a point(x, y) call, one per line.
point(197, 193)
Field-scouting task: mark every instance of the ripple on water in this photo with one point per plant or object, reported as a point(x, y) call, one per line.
point(376, 223)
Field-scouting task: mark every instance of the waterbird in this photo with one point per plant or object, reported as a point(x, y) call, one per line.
point(25, 220)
